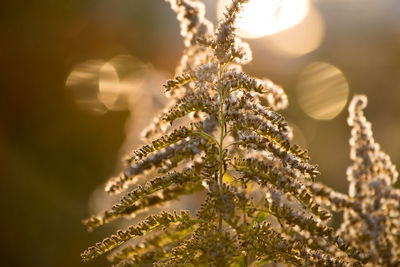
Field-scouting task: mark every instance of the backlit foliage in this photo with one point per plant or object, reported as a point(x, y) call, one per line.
point(261, 202)
point(371, 208)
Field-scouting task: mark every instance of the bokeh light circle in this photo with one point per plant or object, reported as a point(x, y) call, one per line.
point(100, 86)
point(83, 83)
point(109, 88)
point(322, 91)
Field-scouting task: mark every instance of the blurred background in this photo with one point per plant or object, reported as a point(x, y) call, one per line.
point(80, 79)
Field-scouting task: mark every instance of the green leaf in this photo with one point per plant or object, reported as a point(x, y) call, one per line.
point(239, 262)
point(261, 217)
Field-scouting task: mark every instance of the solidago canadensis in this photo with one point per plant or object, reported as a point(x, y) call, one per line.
point(262, 204)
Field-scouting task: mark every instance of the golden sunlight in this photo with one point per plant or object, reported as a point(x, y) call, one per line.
point(265, 17)
point(300, 39)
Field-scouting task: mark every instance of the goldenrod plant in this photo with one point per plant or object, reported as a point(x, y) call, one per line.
point(371, 218)
point(261, 203)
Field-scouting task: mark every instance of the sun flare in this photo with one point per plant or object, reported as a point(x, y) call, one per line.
point(265, 17)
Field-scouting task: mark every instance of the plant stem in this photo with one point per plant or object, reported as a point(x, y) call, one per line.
point(246, 257)
point(221, 139)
